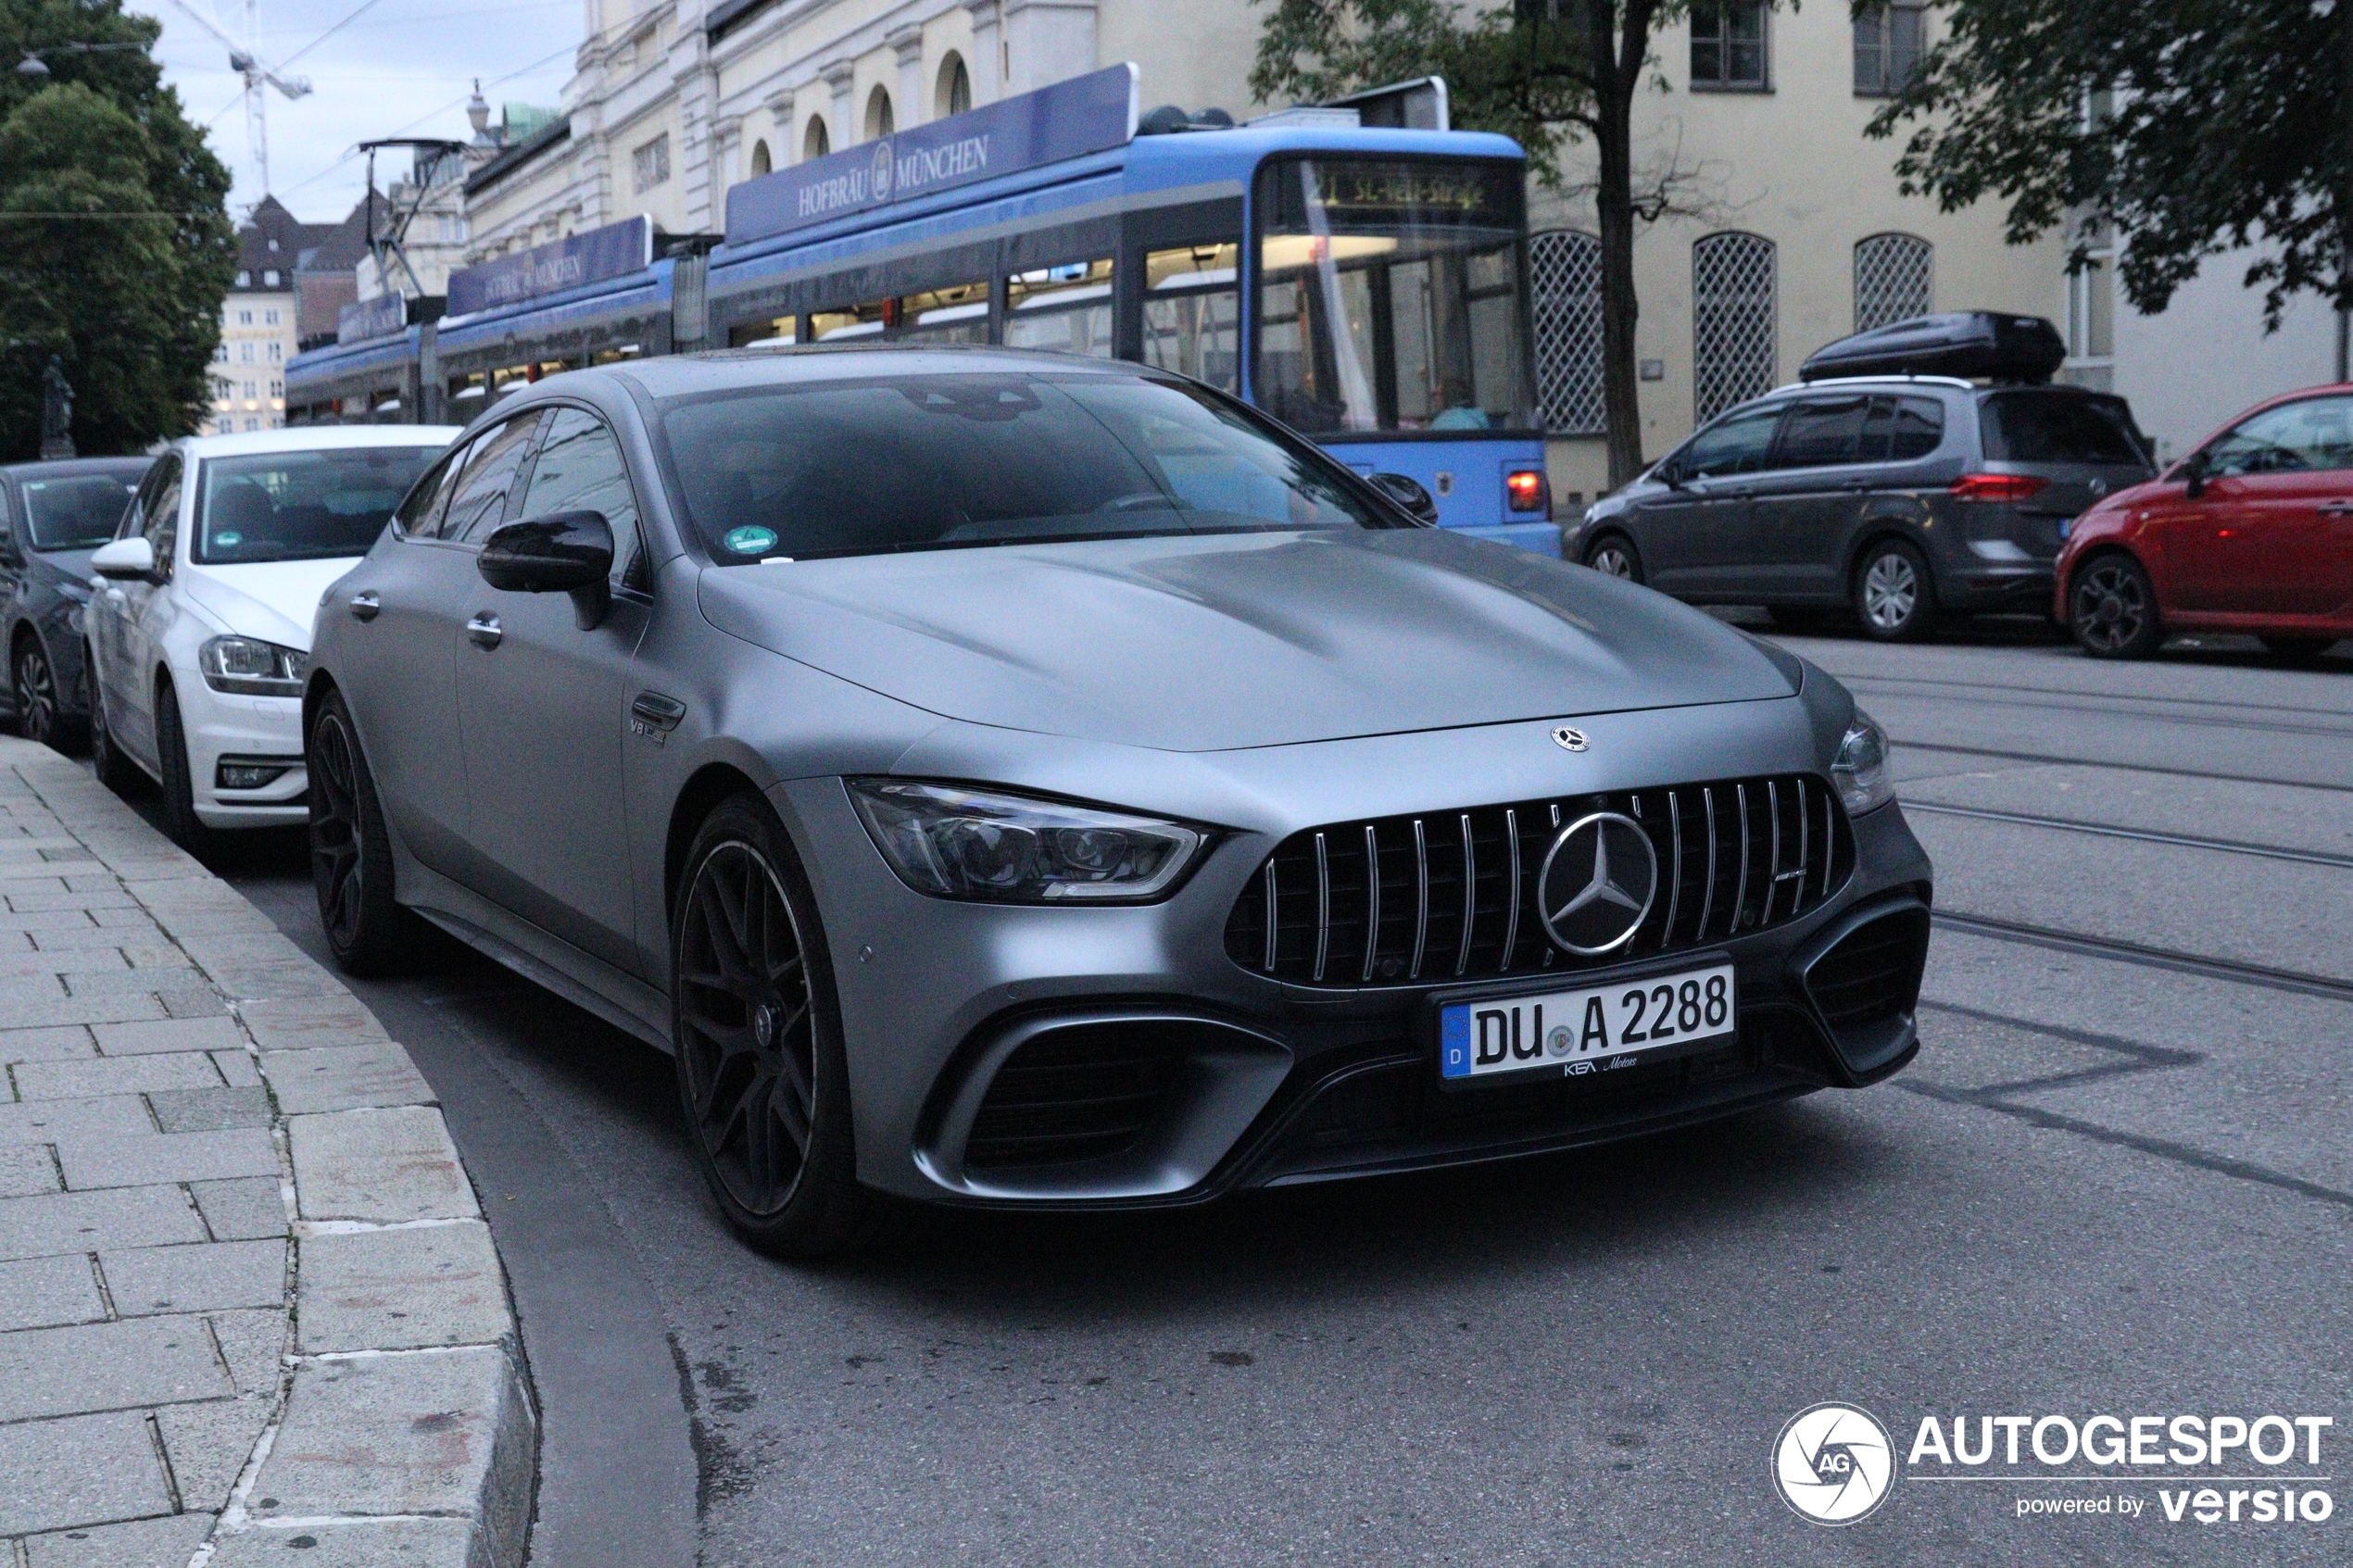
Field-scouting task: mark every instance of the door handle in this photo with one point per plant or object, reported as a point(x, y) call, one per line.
point(365, 606)
point(658, 712)
point(2335, 509)
point(483, 632)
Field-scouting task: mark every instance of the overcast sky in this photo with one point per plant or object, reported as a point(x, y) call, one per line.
point(388, 68)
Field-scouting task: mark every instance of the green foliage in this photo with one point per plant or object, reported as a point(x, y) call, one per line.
point(115, 247)
point(2220, 123)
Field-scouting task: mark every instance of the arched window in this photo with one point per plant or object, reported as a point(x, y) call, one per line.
point(955, 94)
point(761, 163)
point(879, 116)
point(817, 141)
point(1566, 268)
point(1893, 279)
point(1734, 350)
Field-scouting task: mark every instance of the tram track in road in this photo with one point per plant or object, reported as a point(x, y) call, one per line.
point(2075, 692)
point(2342, 731)
point(2052, 759)
point(2142, 836)
point(2228, 970)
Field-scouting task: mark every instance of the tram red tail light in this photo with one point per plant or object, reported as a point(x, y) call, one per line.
point(1525, 488)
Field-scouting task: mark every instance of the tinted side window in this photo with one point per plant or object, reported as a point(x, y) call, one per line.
point(1821, 432)
point(2037, 427)
point(2315, 434)
point(419, 514)
point(580, 470)
point(1903, 429)
point(162, 521)
point(479, 503)
point(1737, 443)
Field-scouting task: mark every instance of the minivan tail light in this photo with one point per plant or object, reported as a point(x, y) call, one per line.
point(1525, 487)
point(1998, 486)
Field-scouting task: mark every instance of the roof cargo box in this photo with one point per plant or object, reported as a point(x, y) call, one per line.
point(1969, 343)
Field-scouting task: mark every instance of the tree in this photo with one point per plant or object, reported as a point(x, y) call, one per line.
point(1545, 72)
point(115, 247)
point(2188, 127)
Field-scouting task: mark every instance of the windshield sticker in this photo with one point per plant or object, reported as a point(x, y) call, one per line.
point(750, 541)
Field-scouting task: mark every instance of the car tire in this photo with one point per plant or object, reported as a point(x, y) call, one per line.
point(180, 819)
point(763, 1078)
point(1614, 555)
point(2289, 650)
point(115, 771)
point(2111, 608)
point(40, 718)
point(1894, 595)
point(367, 930)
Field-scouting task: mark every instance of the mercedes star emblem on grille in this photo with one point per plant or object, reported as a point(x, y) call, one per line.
point(1568, 739)
point(1597, 884)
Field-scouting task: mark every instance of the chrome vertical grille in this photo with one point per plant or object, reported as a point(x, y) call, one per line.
point(1408, 900)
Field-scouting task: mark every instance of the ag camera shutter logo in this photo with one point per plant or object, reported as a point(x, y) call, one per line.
point(1833, 1464)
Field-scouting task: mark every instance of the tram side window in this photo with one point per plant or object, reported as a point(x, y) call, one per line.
point(1065, 307)
point(956, 314)
point(774, 334)
point(851, 321)
point(1192, 312)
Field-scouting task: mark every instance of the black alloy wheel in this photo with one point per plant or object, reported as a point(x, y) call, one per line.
point(180, 820)
point(2112, 607)
point(762, 1079)
point(36, 694)
point(1613, 555)
point(115, 771)
point(1894, 595)
point(351, 851)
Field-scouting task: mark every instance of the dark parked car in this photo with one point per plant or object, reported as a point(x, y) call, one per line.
point(1898, 497)
point(1009, 779)
point(52, 515)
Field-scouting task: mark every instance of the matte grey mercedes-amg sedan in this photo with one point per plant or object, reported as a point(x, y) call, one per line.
point(1015, 779)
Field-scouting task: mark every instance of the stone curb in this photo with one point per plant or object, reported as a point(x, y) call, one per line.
point(400, 1426)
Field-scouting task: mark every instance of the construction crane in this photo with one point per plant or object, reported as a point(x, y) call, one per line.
point(246, 61)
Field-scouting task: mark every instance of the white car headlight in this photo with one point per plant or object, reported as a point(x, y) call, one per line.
point(1860, 772)
point(954, 842)
point(252, 667)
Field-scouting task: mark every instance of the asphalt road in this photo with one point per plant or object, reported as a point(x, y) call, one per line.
point(2118, 1180)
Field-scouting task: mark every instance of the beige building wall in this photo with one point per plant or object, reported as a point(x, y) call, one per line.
point(248, 370)
point(1790, 164)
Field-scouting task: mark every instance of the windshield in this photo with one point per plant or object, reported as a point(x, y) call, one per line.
point(1389, 295)
point(301, 506)
point(2038, 427)
point(941, 463)
point(79, 513)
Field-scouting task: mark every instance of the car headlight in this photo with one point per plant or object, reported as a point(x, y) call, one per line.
point(253, 667)
point(954, 842)
point(1860, 773)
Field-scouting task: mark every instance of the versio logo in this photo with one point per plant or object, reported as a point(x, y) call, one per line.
point(1834, 1463)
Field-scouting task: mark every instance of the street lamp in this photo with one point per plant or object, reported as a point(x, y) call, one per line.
point(31, 66)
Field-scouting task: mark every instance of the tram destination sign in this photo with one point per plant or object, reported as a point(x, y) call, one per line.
point(380, 317)
point(1087, 114)
point(613, 251)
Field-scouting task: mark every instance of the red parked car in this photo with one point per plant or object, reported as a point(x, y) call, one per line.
point(2253, 531)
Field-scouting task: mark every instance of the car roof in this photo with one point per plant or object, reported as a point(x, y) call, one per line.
point(318, 438)
point(728, 368)
point(1837, 384)
point(65, 468)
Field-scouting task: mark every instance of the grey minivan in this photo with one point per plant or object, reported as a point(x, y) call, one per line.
point(1899, 497)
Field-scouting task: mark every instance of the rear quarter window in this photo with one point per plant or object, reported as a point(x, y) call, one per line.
point(2039, 427)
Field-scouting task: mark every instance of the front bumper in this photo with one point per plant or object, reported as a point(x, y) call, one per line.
point(1236, 1080)
point(243, 729)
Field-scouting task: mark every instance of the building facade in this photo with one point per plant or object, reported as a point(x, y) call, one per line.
point(258, 322)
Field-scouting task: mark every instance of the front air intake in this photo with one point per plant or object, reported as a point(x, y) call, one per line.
point(1084, 1093)
point(1866, 985)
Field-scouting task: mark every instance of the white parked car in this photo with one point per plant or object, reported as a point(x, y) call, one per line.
point(198, 627)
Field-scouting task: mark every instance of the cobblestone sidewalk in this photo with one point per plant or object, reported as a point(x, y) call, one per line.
point(248, 1302)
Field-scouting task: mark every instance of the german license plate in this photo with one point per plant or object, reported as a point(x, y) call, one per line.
point(1593, 1030)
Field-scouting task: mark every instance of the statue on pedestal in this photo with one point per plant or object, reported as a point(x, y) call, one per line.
point(57, 412)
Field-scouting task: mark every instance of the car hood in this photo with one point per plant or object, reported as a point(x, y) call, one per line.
point(272, 600)
point(1204, 644)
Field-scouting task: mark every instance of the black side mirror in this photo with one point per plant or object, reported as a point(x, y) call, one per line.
point(562, 553)
point(1407, 492)
point(2194, 475)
